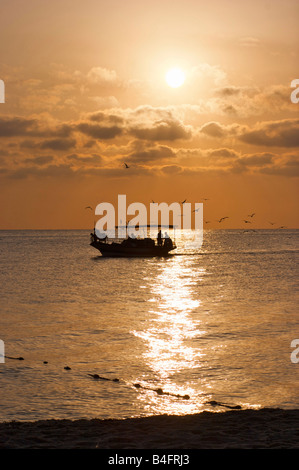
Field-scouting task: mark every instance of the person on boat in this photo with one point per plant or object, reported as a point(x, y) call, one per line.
point(159, 238)
point(168, 242)
point(93, 236)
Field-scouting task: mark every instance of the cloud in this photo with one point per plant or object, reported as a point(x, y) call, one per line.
point(172, 169)
point(53, 171)
point(228, 91)
point(145, 123)
point(94, 159)
point(99, 132)
point(213, 129)
point(156, 124)
point(284, 133)
point(245, 101)
point(148, 154)
point(58, 144)
point(288, 168)
point(161, 130)
point(222, 153)
point(213, 73)
point(108, 117)
point(260, 159)
point(105, 102)
point(15, 126)
point(102, 76)
point(42, 160)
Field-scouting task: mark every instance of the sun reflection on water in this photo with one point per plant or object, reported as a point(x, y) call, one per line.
point(170, 347)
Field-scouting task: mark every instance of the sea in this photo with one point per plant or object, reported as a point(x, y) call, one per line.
point(202, 330)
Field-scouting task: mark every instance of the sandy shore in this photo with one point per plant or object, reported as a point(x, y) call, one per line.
point(266, 428)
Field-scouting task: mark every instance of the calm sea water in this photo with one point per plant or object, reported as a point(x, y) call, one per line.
point(216, 325)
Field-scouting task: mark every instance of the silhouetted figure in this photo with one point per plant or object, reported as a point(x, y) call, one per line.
point(159, 238)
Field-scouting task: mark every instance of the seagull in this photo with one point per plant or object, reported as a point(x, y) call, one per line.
point(222, 218)
point(251, 215)
point(126, 166)
point(88, 207)
point(183, 202)
point(272, 223)
point(247, 222)
point(283, 226)
point(207, 221)
point(195, 210)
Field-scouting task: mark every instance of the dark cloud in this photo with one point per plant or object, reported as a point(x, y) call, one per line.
point(161, 130)
point(171, 169)
point(102, 116)
point(52, 144)
point(60, 131)
point(258, 159)
point(222, 153)
point(58, 144)
point(282, 170)
point(99, 132)
point(94, 159)
point(283, 133)
point(144, 123)
point(228, 91)
point(150, 154)
point(42, 160)
point(15, 126)
point(213, 129)
point(52, 171)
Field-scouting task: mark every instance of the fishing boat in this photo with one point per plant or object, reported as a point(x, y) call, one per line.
point(130, 247)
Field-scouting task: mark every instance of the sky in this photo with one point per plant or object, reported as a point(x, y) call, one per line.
point(85, 91)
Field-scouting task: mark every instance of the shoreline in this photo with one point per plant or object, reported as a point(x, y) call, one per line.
point(267, 428)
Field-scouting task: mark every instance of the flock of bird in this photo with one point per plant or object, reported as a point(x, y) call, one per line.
point(246, 221)
point(217, 220)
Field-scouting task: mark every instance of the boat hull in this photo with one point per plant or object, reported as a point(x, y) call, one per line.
point(117, 250)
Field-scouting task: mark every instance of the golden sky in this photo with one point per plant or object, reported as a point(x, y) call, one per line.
point(85, 91)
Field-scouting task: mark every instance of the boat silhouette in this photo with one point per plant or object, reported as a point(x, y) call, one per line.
point(130, 246)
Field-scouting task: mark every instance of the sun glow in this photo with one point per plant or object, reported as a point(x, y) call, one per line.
point(175, 77)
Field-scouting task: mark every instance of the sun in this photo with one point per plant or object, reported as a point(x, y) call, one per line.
point(175, 77)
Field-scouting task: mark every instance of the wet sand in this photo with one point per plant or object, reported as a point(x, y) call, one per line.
point(238, 429)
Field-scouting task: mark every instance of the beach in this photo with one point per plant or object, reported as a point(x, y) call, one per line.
point(266, 428)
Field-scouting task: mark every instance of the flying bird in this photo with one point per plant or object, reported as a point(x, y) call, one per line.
point(247, 222)
point(126, 166)
point(88, 207)
point(223, 218)
point(272, 223)
point(207, 221)
point(183, 202)
point(251, 215)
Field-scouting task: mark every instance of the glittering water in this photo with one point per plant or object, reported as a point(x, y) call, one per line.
point(214, 325)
